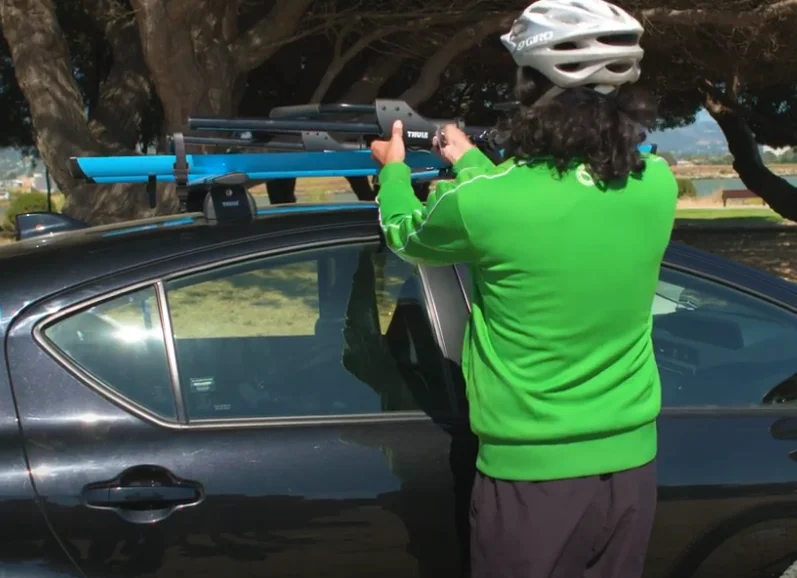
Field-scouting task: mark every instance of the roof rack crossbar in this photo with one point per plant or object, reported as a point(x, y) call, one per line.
point(272, 126)
point(310, 111)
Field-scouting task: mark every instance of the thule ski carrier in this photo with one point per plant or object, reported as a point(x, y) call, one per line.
point(303, 141)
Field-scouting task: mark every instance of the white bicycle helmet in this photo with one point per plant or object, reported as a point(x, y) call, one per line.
point(577, 43)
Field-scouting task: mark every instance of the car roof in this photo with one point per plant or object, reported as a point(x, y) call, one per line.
point(132, 229)
point(50, 263)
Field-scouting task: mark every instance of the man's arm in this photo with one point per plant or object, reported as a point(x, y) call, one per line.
point(473, 163)
point(434, 233)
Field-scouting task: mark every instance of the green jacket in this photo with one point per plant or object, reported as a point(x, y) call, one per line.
point(558, 360)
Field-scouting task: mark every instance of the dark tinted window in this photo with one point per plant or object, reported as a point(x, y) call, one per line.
point(335, 331)
point(721, 347)
point(120, 343)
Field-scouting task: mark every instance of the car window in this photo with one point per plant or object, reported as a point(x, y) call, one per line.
point(335, 331)
point(120, 343)
point(718, 346)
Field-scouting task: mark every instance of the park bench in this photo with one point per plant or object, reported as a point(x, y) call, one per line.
point(738, 194)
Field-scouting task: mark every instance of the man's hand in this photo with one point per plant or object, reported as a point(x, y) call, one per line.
point(455, 144)
point(390, 151)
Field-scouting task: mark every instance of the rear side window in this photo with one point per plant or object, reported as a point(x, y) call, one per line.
point(120, 344)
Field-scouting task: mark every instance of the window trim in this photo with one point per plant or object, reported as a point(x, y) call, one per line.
point(181, 413)
point(730, 284)
point(182, 422)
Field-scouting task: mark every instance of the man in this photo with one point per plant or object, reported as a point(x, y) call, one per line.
point(564, 241)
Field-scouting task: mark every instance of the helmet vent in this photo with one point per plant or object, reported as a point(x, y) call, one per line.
point(571, 66)
point(565, 17)
point(519, 28)
point(619, 67)
point(619, 40)
point(566, 46)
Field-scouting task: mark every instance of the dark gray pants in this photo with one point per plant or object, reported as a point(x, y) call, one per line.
point(589, 527)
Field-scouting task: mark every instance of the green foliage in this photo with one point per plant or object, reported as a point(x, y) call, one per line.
point(686, 189)
point(23, 203)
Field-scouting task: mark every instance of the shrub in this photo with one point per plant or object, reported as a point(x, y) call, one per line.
point(23, 203)
point(686, 189)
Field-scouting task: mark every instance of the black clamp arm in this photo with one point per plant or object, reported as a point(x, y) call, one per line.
point(180, 170)
point(180, 163)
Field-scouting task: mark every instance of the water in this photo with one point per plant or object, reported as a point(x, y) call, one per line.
point(707, 187)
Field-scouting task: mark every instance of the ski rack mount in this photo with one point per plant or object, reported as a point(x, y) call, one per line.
point(301, 141)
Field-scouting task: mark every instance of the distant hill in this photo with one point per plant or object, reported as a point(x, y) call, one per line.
point(703, 138)
point(13, 164)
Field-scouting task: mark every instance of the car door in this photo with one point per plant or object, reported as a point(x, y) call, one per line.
point(727, 357)
point(727, 454)
point(283, 414)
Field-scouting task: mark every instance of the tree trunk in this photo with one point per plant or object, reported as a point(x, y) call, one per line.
point(43, 69)
point(196, 57)
point(125, 94)
point(777, 192)
point(193, 69)
point(198, 60)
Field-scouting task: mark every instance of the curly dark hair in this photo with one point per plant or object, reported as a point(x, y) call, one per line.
point(579, 125)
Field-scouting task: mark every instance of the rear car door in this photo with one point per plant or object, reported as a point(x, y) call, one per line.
point(28, 549)
point(274, 414)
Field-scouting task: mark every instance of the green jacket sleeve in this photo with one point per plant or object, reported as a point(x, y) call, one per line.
point(434, 233)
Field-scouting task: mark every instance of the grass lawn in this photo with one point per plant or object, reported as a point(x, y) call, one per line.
point(728, 218)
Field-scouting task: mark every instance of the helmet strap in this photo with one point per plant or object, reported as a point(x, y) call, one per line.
point(548, 96)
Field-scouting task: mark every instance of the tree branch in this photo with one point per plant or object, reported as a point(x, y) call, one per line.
point(723, 16)
point(261, 41)
point(379, 70)
point(429, 80)
point(747, 161)
point(340, 60)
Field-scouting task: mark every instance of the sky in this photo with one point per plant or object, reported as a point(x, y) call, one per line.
point(703, 115)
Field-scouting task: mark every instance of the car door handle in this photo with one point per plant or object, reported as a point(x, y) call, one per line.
point(141, 497)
